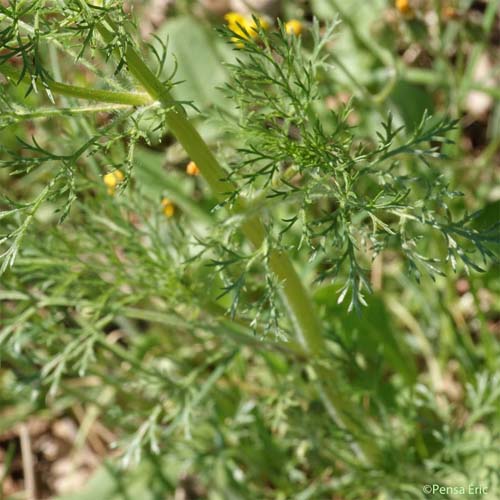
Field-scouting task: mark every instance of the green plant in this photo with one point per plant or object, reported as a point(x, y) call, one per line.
point(298, 183)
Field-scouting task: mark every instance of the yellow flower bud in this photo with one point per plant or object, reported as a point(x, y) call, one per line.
point(243, 26)
point(112, 179)
point(234, 18)
point(404, 6)
point(118, 175)
point(168, 207)
point(192, 169)
point(293, 27)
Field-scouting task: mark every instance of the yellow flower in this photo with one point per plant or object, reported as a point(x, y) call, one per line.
point(243, 26)
point(112, 179)
point(404, 6)
point(168, 207)
point(293, 27)
point(192, 169)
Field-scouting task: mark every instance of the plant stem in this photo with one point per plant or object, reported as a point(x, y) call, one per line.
point(51, 112)
point(108, 96)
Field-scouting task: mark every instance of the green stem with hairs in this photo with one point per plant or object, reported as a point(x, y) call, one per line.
point(56, 112)
point(108, 96)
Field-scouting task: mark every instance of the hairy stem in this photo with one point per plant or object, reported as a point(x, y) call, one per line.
point(56, 112)
point(108, 96)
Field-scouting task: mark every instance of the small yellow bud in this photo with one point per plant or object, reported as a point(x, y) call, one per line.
point(243, 26)
point(234, 18)
point(168, 207)
point(112, 179)
point(293, 27)
point(238, 24)
point(404, 6)
point(192, 169)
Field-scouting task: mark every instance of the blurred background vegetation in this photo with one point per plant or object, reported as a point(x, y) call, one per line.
point(119, 381)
